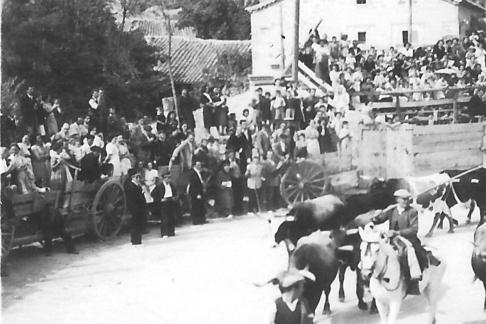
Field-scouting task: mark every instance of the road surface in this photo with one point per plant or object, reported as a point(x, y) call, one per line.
point(205, 274)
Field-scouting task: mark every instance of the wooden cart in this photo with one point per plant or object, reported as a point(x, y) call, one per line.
point(87, 208)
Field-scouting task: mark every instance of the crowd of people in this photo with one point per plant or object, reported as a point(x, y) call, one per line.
point(368, 75)
point(237, 162)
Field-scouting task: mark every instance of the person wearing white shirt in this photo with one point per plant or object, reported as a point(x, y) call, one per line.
point(165, 204)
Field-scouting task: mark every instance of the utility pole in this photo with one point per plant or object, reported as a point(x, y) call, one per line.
point(171, 76)
point(410, 21)
point(295, 65)
point(282, 43)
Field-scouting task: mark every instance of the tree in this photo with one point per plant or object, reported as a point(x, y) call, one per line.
point(217, 19)
point(68, 48)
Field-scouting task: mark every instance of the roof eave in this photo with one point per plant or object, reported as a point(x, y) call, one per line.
point(261, 6)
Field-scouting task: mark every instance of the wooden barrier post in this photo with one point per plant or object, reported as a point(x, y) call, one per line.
point(454, 108)
point(399, 113)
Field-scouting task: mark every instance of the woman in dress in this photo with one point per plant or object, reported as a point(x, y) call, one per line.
point(51, 121)
point(41, 164)
point(224, 193)
point(125, 162)
point(300, 146)
point(222, 112)
point(21, 169)
point(171, 123)
point(150, 176)
point(312, 135)
point(113, 156)
point(24, 146)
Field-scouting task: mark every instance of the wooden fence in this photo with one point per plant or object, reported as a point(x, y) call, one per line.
point(412, 150)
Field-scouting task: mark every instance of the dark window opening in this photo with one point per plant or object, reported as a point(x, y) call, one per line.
point(362, 37)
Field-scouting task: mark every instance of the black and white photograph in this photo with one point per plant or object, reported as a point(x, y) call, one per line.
point(243, 161)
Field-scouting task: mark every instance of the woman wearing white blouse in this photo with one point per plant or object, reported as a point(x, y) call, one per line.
point(113, 156)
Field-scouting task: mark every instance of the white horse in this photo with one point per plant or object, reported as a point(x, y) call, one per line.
point(380, 263)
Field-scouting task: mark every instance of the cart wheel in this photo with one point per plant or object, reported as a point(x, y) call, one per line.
point(302, 181)
point(8, 235)
point(108, 209)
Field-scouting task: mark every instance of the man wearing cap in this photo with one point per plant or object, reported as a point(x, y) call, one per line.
point(291, 307)
point(404, 223)
point(136, 205)
point(165, 199)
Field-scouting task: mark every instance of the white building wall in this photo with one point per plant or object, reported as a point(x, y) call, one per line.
point(382, 20)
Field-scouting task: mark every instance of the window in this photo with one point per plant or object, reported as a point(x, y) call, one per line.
point(361, 1)
point(405, 37)
point(362, 37)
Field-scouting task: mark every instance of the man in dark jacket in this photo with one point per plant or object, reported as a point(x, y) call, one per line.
point(136, 205)
point(91, 166)
point(187, 105)
point(165, 200)
point(196, 194)
point(403, 221)
point(29, 108)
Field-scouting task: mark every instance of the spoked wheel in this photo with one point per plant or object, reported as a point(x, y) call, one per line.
point(302, 181)
point(108, 209)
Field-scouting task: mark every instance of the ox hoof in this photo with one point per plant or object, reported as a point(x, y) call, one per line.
point(341, 297)
point(373, 309)
point(362, 305)
point(326, 312)
point(429, 234)
point(468, 221)
point(451, 230)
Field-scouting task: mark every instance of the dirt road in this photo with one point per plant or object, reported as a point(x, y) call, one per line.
point(203, 275)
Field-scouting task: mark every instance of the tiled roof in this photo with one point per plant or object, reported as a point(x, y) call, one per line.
point(158, 27)
point(192, 57)
point(261, 5)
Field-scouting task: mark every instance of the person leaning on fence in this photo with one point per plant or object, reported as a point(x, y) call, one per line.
point(136, 205)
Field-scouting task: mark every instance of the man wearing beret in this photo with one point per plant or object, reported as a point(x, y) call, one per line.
point(136, 205)
point(403, 222)
point(165, 199)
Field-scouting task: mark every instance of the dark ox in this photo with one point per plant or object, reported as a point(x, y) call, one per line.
point(478, 259)
point(317, 251)
point(326, 213)
point(471, 186)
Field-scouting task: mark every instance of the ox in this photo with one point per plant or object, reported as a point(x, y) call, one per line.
point(326, 213)
point(470, 186)
point(478, 259)
point(317, 254)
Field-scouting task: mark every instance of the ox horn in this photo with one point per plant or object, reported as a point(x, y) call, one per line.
point(290, 218)
point(352, 231)
point(273, 281)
